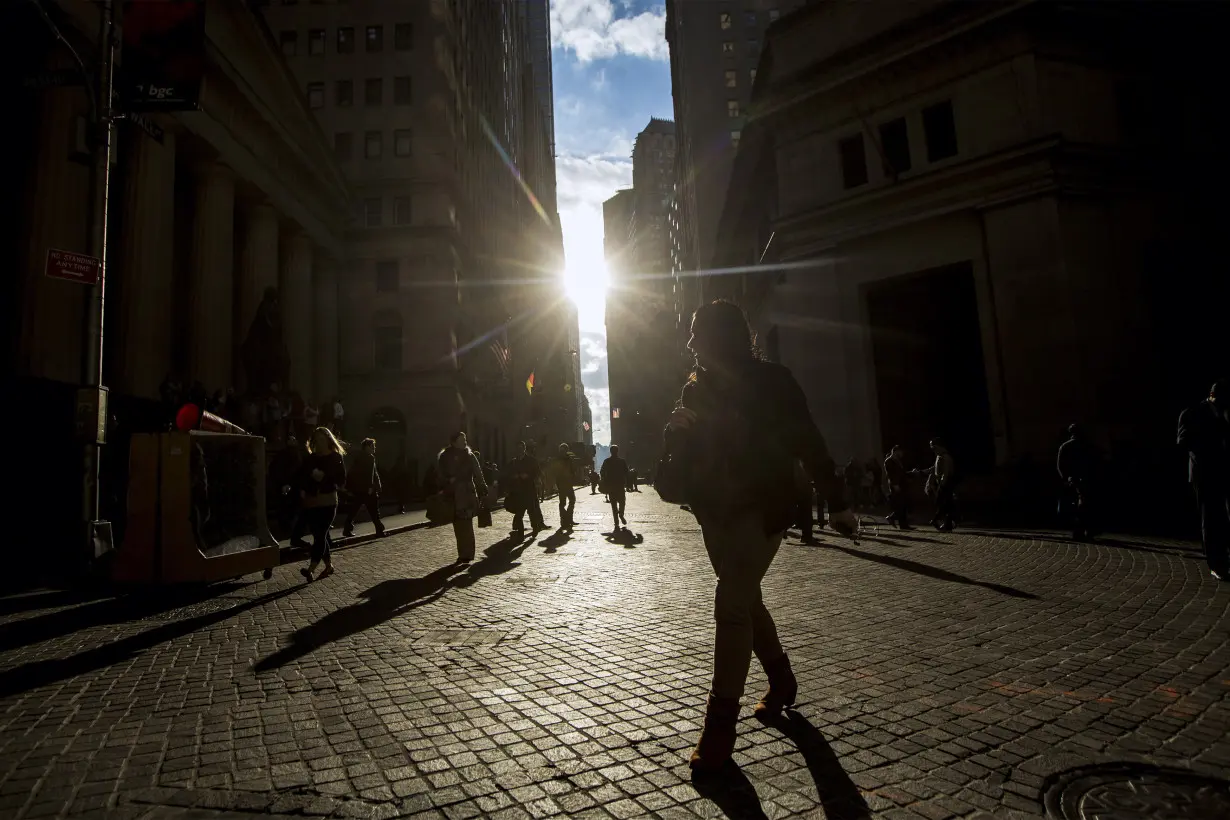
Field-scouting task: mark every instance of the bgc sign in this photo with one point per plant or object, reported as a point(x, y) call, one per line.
point(163, 58)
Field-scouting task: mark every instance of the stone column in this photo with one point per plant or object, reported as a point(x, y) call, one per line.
point(327, 329)
point(146, 307)
point(298, 318)
point(212, 278)
point(58, 217)
point(258, 270)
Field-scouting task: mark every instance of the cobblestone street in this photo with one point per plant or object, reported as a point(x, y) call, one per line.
point(941, 675)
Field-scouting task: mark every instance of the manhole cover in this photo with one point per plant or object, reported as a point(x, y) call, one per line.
point(1125, 791)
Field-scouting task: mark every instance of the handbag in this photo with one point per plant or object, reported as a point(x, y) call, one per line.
point(670, 477)
point(440, 508)
point(484, 516)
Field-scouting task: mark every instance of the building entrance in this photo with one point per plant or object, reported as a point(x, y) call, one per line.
point(929, 370)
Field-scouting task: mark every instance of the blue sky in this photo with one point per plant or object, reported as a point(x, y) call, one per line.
point(611, 74)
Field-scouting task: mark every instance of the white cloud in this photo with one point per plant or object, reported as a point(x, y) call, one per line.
point(591, 31)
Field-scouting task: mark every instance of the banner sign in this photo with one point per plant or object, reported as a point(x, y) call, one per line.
point(163, 59)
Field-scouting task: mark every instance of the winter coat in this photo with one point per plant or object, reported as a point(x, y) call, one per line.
point(363, 478)
point(751, 425)
point(461, 476)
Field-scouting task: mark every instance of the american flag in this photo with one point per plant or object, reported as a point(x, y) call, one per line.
point(585, 424)
point(502, 355)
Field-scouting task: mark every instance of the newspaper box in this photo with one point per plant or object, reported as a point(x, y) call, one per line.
point(196, 509)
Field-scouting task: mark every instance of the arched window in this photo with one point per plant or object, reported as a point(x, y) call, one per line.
point(387, 340)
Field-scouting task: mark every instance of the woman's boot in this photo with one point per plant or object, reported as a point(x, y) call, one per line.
point(717, 739)
point(783, 688)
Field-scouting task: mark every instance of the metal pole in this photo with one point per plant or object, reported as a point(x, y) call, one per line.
point(92, 370)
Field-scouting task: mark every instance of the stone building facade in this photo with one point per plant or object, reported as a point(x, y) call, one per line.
point(436, 115)
point(208, 209)
point(985, 222)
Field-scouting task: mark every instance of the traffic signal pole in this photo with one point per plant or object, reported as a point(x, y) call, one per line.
point(92, 412)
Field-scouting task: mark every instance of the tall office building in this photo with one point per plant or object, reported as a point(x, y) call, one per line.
point(714, 51)
point(641, 307)
point(653, 158)
point(435, 114)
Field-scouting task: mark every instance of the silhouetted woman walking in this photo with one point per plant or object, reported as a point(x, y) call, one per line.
point(320, 476)
point(740, 424)
point(461, 477)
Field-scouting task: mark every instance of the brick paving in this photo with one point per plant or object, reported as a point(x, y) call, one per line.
point(943, 675)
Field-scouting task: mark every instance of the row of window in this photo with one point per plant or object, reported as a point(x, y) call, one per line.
point(373, 40)
point(939, 129)
point(373, 92)
point(732, 78)
point(752, 48)
point(373, 217)
point(373, 144)
point(726, 19)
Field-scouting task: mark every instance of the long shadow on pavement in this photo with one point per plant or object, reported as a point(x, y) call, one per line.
point(730, 791)
point(41, 673)
point(112, 610)
point(934, 572)
point(388, 599)
point(1193, 552)
point(839, 797)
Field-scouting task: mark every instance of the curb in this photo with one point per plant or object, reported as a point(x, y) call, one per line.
point(288, 554)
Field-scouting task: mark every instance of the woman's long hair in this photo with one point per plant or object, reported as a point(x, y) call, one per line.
point(335, 445)
point(725, 324)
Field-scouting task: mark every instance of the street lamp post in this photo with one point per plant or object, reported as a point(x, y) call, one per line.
point(92, 396)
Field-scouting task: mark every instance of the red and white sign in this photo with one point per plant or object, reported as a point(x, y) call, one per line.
point(73, 267)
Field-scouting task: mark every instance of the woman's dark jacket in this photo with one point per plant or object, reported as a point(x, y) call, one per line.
point(322, 493)
point(752, 423)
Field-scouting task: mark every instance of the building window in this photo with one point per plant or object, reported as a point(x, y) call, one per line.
point(375, 38)
point(343, 93)
point(290, 43)
point(403, 36)
point(895, 142)
point(941, 131)
point(749, 18)
point(373, 144)
point(732, 108)
point(343, 145)
point(728, 47)
point(734, 138)
point(371, 212)
point(402, 143)
point(773, 15)
point(345, 40)
point(373, 91)
point(753, 48)
point(401, 210)
point(853, 161)
point(316, 42)
point(725, 19)
point(387, 347)
point(752, 75)
point(316, 95)
point(401, 91)
point(387, 277)
point(732, 79)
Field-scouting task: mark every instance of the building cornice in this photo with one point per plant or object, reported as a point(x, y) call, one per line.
point(1041, 167)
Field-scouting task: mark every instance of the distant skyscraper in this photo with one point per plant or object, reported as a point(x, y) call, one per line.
point(641, 315)
point(714, 51)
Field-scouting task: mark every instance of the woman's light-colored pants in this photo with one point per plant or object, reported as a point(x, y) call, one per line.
point(741, 553)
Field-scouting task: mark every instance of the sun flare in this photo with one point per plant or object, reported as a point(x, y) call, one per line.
point(585, 283)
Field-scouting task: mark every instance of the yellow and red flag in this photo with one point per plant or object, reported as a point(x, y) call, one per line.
point(529, 384)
